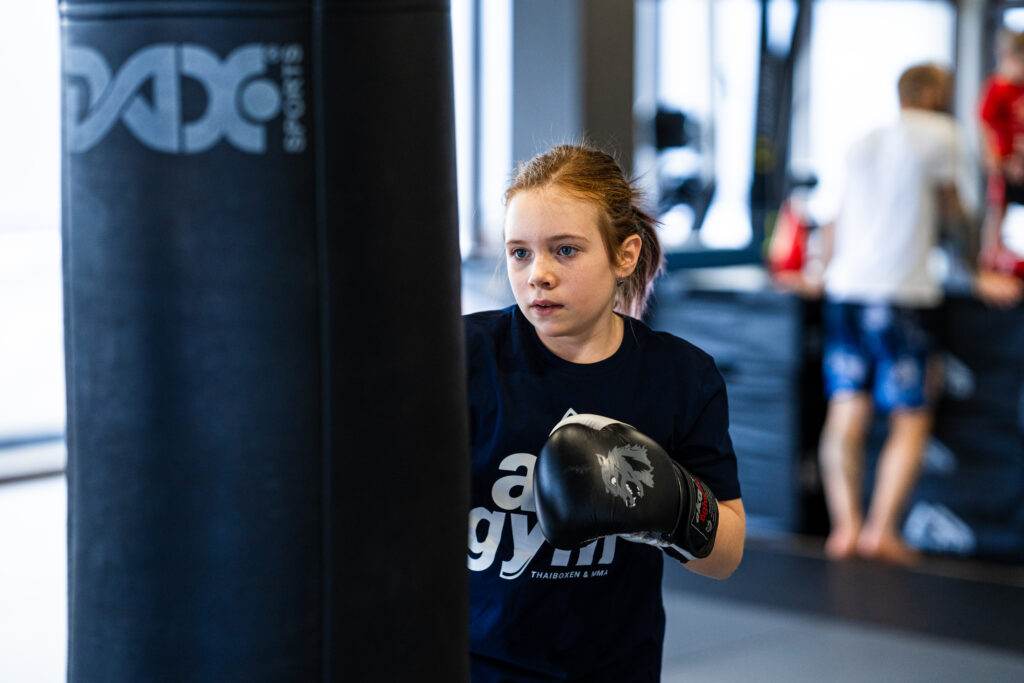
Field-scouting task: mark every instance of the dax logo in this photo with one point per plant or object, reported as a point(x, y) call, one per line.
point(146, 95)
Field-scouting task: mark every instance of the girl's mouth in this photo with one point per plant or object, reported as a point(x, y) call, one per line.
point(544, 307)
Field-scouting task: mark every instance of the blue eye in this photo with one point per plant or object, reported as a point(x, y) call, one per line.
point(566, 250)
point(519, 253)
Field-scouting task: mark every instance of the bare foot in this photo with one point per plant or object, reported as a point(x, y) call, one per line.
point(887, 548)
point(841, 544)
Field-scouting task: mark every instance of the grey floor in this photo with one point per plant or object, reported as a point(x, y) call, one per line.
point(712, 636)
point(720, 641)
point(790, 614)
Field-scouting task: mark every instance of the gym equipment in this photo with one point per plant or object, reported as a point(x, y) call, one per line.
point(248, 189)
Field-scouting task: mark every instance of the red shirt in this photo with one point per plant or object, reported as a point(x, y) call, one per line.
point(1002, 109)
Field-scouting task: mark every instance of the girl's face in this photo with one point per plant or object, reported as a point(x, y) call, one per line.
point(561, 274)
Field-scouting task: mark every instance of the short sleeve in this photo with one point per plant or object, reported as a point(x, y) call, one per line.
point(706, 449)
point(965, 160)
point(947, 150)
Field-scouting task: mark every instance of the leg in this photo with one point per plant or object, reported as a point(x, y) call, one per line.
point(908, 382)
point(841, 456)
point(899, 465)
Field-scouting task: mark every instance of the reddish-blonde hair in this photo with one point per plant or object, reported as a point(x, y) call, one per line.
point(594, 176)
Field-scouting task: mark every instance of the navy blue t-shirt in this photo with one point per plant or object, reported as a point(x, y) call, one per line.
point(538, 613)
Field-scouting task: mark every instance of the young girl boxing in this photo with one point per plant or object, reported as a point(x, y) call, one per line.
point(598, 445)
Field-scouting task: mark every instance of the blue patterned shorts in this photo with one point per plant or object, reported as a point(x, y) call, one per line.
point(879, 347)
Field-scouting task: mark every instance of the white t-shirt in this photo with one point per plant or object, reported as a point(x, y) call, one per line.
point(887, 224)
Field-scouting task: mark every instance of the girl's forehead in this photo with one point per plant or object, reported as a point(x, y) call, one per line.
point(552, 194)
point(542, 207)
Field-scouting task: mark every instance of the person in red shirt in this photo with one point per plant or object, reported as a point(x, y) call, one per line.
point(1001, 112)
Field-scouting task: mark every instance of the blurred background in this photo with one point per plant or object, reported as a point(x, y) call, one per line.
point(726, 110)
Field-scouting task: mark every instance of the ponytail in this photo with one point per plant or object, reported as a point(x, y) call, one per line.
point(636, 290)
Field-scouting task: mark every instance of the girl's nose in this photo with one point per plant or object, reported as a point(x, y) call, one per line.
point(541, 276)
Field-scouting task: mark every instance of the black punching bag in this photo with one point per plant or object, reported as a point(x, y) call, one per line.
point(268, 467)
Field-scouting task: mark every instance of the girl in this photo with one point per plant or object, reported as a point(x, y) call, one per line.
point(581, 260)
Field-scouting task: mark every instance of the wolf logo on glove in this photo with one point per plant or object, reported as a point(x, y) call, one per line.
point(625, 470)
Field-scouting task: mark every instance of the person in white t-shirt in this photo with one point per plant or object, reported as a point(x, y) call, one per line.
point(881, 299)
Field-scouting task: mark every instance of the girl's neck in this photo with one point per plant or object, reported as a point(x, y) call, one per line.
point(598, 345)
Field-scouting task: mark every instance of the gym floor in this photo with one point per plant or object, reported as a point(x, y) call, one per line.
point(788, 614)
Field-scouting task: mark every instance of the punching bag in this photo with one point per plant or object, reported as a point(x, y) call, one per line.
point(267, 441)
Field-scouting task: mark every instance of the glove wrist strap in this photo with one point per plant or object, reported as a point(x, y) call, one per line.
point(697, 525)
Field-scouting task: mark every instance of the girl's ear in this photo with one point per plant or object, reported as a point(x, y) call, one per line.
point(629, 254)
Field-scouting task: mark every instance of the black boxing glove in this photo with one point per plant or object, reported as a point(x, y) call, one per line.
point(599, 477)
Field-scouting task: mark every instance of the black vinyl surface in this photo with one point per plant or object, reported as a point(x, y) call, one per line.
point(267, 442)
point(756, 340)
